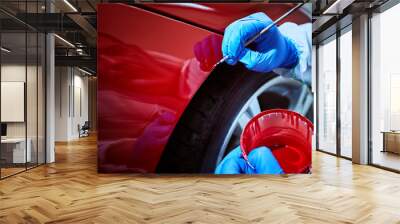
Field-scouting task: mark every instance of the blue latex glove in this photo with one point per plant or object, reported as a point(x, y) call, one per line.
point(270, 51)
point(261, 158)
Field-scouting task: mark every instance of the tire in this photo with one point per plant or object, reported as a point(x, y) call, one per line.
point(195, 144)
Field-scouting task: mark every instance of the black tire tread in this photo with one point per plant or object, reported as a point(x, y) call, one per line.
point(188, 143)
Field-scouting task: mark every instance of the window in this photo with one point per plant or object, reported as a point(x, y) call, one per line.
point(385, 89)
point(327, 97)
point(346, 94)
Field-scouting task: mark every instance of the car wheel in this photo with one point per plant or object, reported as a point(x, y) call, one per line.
point(211, 125)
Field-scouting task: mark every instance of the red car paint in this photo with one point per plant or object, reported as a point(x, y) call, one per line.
point(288, 134)
point(218, 16)
point(150, 65)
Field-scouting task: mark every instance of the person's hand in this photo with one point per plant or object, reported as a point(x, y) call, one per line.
point(269, 51)
point(261, 158)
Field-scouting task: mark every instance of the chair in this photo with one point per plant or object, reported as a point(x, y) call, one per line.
point(84, 130)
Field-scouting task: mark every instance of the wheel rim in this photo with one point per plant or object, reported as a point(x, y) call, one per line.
point(299, 97)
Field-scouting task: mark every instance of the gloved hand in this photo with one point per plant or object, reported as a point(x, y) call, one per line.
point(261, 158)
point(270, 51)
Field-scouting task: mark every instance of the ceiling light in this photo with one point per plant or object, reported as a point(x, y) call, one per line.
point(65, 41)
point(5, 50)
point(84, 71)
point(328, 10)
point(79, 51)
point(70, 5)
point(337, 7)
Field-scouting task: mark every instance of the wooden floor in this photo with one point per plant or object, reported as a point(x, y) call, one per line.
point(10, 171)
point(71, 191)
point(387, 159)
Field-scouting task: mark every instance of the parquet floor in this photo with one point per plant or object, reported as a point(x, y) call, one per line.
point(71, 191)
point(10, 171)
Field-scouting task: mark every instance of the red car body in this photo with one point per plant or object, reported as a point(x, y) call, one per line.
point(152, 58)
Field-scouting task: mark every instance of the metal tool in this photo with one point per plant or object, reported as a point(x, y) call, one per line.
point(263, 31)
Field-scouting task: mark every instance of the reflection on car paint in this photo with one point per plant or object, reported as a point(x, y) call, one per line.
point(143, 92)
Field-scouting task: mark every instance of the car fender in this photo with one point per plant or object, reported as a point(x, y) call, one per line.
point(150, 65)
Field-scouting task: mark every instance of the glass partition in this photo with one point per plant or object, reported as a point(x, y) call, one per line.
point(41, 110)
point(327, 96)
point(31, 100)
point(346, 93)
point(14, 153)
point(385, 89)
point(22, 88)
point(313, 88)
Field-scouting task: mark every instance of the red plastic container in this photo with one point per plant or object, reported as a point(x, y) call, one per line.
point(288, 134)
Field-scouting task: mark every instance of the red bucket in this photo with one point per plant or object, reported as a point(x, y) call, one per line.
point(288, 134)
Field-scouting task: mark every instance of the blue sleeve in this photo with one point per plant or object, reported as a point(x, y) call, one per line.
point(301, 36)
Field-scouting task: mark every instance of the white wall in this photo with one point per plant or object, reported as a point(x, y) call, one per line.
point(9, 73)
point(71, 94)
point(62, 82)
point(33, 127)
point(12, 73)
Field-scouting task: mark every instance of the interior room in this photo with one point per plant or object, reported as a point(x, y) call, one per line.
point(22, 104)
point(127, 111)
point(384, 90)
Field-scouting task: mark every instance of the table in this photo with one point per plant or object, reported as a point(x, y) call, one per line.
point(391, 141)
point(15, 148)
